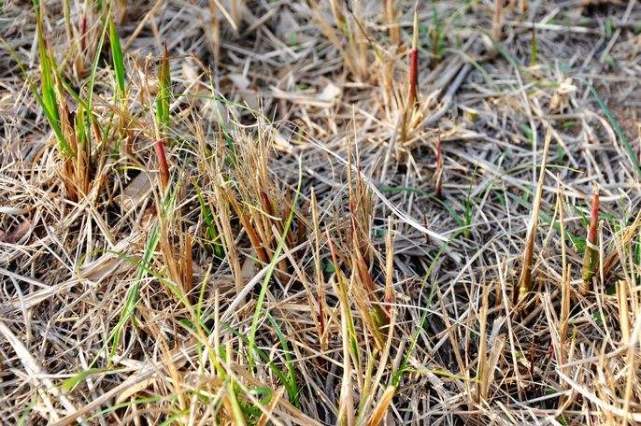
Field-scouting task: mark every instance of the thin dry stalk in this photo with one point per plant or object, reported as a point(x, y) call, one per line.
point(482, 366)
point(412, 83)
point(392, 22)
point(167, 251)
point(83, 32)
point(626, 306)
point(236, 10)
point(525, 277)
point(73, 41)
point(564, 317)
point(337, 7)
point(220, 200)
point(187, 263)
point(360, 40)
point(624, 313)
point(487, 359)
point(438, 185)
point(323, 309)
point(359, 264)
point(346, 400)
point(265, 417)
point(214, 30)
point(497, 20)
point(232, 17)
point(379, 411)
point(389, 269)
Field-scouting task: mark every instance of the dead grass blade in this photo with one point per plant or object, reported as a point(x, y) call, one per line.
point(525, 277)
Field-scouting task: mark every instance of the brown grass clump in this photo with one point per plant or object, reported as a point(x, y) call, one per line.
point(319, 212)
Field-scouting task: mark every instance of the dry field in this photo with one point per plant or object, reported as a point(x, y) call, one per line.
point(353, 212)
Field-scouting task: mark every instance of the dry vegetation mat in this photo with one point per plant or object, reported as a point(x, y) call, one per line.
point(320, 212)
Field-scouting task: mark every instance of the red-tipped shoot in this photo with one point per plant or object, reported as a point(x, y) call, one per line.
point(591, 254)
point(412, 74)
point(83, 33)
point(412, 77)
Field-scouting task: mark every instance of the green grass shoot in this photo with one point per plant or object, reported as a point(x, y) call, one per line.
point(118, 60)
point(47, 97)
point(164, 95)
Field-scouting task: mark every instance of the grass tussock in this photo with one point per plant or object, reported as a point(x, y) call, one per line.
point(320, 212)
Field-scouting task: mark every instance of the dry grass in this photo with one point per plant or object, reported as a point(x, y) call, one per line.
point(320, 212)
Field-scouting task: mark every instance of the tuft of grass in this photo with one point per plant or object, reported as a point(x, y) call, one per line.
point(48, 98)
point(271, 267)
point(346, 33)
point(71, 116)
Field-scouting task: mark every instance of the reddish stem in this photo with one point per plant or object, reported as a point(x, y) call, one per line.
point(594, 218)
point(162, 163)
point(267, 204)
point(412, 77)
point(591, 256)
point(83, 32)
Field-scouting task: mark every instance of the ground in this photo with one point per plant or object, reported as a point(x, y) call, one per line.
point(320, 212)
